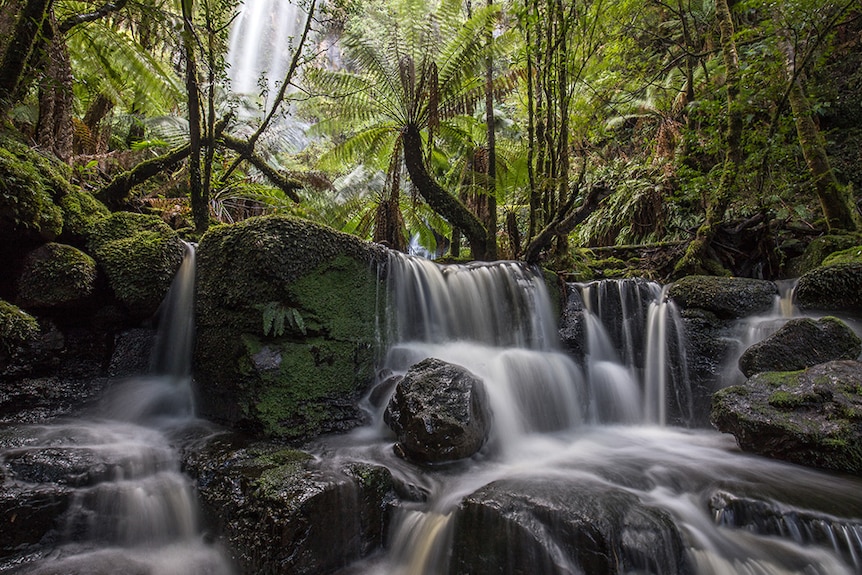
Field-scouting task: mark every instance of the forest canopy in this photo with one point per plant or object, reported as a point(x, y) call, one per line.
point(659, 138)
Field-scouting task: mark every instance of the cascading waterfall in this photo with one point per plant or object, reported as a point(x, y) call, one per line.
point(567, 438)
point(131, 510)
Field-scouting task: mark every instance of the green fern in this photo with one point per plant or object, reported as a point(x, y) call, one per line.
point(277, 316)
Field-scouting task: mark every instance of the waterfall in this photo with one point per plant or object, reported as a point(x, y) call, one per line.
point(129, 508)
point(577, 477)
point(634, 331)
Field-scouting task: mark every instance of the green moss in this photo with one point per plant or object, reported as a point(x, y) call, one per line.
point(81, 211)
point(56, 274)
point(25, 199)
point(17, 327)
point(140, 255)
point(850, 255)
point(817, 251)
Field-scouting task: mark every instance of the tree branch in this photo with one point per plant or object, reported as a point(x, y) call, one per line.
point(104, 10)
point(117, 191)
point(246, 151)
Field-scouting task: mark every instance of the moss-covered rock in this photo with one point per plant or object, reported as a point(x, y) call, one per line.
point(848, 256)
point(287, 332)
point(281, 511)
point(56, 275)
point(25, 199)
point(835, 288)
point(140, 255)
point(17, 327)
point(801, 343)
point(81, 211)
point(811, 417)
point(817, 251)
point(727, 298)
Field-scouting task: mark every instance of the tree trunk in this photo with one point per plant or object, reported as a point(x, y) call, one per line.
point(694, 259)
point(835, 205)
point(491, 223)
point(19, 49)
point(200, 203)
point(439, 199)
point(54, 128)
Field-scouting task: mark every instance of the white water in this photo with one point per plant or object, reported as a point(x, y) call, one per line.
point(133, 510)
point(559, 423)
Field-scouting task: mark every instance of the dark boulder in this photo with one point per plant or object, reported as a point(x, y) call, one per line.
point(439, 412)
point(56, 275)
point(563, 526)
point(811, 417)
point(801, 343)
point(727, 298)
point(279, 510)
point(835, 288)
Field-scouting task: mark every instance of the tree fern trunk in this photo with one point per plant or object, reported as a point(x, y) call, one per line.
point(19, 49)
point(200, 203)
point(439, 199)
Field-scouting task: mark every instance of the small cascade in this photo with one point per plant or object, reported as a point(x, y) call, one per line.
point(130, 508)
point(631, 324)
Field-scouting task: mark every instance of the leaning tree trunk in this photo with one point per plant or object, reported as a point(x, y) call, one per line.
point(835, 205)
point(439, 199)
point(694, 259)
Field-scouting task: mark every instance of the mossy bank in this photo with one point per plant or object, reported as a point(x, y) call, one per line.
point(287, 326)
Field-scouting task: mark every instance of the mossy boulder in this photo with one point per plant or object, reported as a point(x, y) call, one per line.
point(26, 200)
point(835, 288)
point(140, 255)
point(287, 326)
point(819, 249)
point(848, 256)
point(56, 275)
point(81, 211)
point(811, 417)
point(801, 343)
point(726, 298)
point(17, 327)
point(279, 510)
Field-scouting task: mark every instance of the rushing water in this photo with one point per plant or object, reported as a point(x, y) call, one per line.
point(563, 429)
point(129, 510)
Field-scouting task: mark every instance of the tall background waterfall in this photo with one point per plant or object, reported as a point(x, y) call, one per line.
point(583, 449)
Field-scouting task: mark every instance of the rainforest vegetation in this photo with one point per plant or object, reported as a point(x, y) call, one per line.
point(657, 137)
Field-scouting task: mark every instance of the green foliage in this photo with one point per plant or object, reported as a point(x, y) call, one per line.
point(16, 327)
point(276, 316)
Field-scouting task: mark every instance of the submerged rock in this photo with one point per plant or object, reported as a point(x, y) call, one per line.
point(727, 298)
point(286, 326)
point(281, 511)
point(439, 412)
point(801, 343)
point(811, 417)
point(835, 288)
point(555, 526)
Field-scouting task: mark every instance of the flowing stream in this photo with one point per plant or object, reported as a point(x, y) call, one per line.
point(570, 436)
point(128, 507)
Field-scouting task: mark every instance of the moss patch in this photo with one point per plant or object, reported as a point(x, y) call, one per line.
point(81, 211)
point(140, 255)
point(850, 255)
point(56, 275)
point(17, 327)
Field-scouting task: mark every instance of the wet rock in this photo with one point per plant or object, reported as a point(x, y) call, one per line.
point(439, 412)
point(279, 510)
point(563, 526)
point(727, 298)
point(835, 288)
point(572, 330)
point(133, 349)
point(29, 514)
point(39, 399)
point(811, 417)
point(801, 343)
point(818, 250)
point(286, 327)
